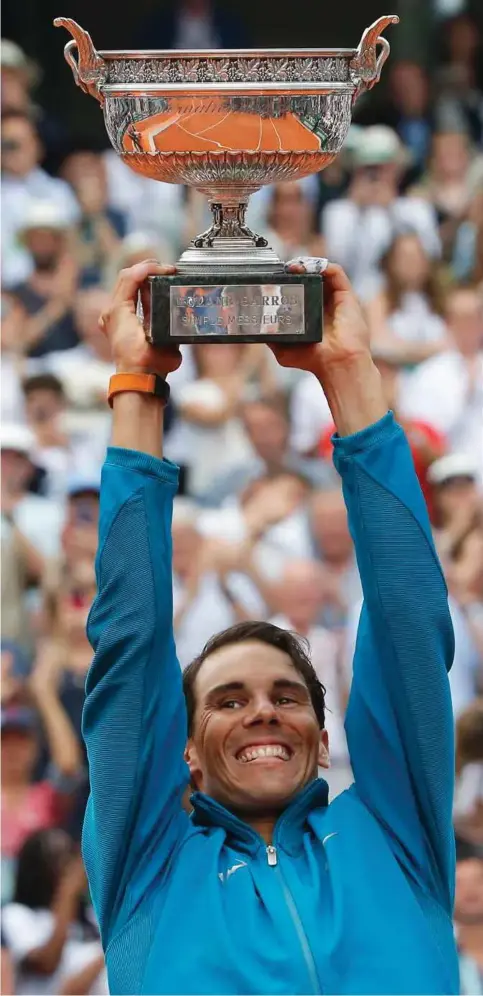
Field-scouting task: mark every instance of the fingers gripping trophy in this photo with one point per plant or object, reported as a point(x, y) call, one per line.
point(228, 122)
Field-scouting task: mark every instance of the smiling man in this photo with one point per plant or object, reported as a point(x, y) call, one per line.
point(267, 888)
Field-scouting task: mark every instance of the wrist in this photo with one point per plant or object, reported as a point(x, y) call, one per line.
point(354, 393)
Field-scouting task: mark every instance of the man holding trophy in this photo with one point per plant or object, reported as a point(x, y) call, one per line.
point(265, 887)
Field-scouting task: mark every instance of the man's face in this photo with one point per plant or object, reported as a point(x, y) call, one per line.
point(43, 405)
point(469, 892)
point(465, 320)
point(20, 147)
point(19, 754)
point(267, 430)
point(16, 470)
point(256, 740)
point(45, 245)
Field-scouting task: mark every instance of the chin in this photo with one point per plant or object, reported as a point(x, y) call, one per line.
point(273, 790)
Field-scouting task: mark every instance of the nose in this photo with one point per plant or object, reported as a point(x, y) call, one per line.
point(261, 712)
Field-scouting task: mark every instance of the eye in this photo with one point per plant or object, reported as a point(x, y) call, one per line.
point(231, 704)
point(285, 700)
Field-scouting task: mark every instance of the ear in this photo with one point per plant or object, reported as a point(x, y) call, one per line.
point(193, 762)
point(324, 759)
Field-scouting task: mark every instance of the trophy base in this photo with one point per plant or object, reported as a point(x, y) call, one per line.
point(272, 307)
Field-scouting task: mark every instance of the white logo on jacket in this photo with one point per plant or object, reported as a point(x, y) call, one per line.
point(224, 876)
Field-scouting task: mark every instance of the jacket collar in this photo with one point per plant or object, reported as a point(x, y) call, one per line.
point(289, 827)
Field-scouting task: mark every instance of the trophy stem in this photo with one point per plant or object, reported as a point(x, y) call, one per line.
point(228, 223)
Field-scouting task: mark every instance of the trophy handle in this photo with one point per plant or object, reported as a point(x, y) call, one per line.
point(89, 68)
point(365, 67)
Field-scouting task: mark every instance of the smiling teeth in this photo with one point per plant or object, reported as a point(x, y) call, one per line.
point(268, 750)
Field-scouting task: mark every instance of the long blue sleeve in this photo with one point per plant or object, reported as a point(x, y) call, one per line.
point(134, 720)
point(399, 720)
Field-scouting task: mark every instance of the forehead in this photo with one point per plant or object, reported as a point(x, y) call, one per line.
point(255, 663)
point(17, 126)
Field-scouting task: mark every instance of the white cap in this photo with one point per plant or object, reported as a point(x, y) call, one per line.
point(13, 57)
point(377, 145)
point(453, 465)
point(44, 214)
point(18, 438)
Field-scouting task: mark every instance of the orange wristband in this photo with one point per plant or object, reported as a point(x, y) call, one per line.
point(140, 384)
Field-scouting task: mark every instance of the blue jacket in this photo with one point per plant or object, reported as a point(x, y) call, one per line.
point(352, 897)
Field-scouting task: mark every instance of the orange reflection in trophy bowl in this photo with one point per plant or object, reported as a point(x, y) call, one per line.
point(227, 122)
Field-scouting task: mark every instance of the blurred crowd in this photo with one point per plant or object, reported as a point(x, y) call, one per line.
point(259, 527)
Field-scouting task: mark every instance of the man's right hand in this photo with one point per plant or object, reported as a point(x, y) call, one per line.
point(131, 352)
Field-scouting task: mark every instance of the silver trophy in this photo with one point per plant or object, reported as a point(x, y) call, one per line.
point(228, 122)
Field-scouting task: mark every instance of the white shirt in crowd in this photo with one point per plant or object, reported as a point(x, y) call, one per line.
point(309, 414)
point(40, 520)
point(414, 321)
point(17, 193)
point(440, 392)
point(358, 237)
point(12, 406)
point(26, 929)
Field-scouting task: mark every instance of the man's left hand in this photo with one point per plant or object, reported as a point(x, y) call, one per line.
point(346, 333)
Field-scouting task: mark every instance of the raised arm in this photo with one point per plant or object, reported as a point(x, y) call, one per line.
point(134, 720)
point(399, 721)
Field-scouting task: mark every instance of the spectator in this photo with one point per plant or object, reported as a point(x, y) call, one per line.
point(300, 595)
point(467, 258)
point(446, 184)
point(193, 24)
point(20, 79)
point(292, 225)
point(13, 364)
point(331, 542)
point(267, 427)
point(447, 390)
point(209, 438)
point(86, 420)
point(207, 588)
point(469, 917)
point(406, 108)
point(7, 978)
point(100, 227)
point(459, 78)
point(427, 444)
point(47, 292)
point(23, 180)
point(54, 945)
point(19, 75)
point(406, 313)
point(28, 805)
point(359, 228)
point(44, 409)
point(16, 667)
point(37, 518)
point(151, 207)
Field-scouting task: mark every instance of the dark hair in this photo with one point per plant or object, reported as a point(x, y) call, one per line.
point(290, 643)
point(38, 870)
point(12, 114)
point(43, 382)
point(466, 851)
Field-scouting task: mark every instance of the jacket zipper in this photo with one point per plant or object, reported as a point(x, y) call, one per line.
point(272, 858)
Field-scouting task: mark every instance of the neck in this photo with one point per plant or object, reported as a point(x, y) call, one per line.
point(263, 825)
point(470, 939)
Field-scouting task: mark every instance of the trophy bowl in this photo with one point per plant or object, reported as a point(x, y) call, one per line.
point(228, 122)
